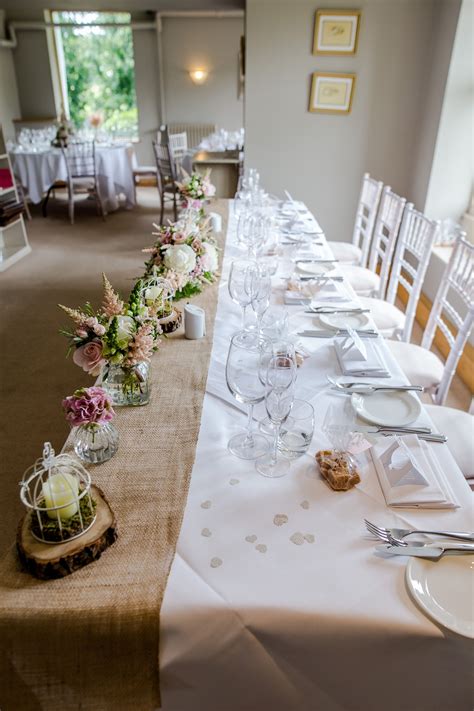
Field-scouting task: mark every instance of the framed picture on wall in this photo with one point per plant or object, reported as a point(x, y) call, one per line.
point(336, 31)
point(331, 93)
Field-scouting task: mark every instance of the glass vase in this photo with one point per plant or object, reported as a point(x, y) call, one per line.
point(96, 442)
point(127, 386)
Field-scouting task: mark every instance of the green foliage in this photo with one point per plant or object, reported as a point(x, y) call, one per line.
point(187, 291)
point(100, 70)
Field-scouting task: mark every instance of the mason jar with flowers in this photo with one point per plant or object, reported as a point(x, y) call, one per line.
point(116, 344)
point(184, 254)
point(195, 190)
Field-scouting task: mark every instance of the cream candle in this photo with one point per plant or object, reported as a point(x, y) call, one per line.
point(61, 490)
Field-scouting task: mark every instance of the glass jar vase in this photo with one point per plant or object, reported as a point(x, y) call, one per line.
point(96, 442)
point(127, 386)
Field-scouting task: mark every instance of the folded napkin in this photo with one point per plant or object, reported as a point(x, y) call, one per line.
point(410, 475)
point(317, 291)
point(352, 363)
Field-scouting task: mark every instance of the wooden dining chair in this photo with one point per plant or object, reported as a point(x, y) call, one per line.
point(357, 251)
point(372, 281)
point(166, 168)
point(409, 265)
point(81, 178)
point(453, 314)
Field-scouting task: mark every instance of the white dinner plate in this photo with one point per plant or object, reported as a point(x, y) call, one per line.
point(336, 321)
point(391, 409)
point(444, 590)
point(314, 267)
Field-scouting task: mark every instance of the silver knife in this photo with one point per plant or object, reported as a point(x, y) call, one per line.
point(432, 552)
point(333, 334)
point(384, 428)
point(320, 277)
point(321, 310)
point(316, 260)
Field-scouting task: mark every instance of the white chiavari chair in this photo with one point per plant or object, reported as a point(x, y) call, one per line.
point(410, 262)
point(357, 251)
point(366, 281)
point(179, 148)
point(458, 426)
point(455, 295)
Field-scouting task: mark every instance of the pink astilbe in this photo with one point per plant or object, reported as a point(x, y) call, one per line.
point(141, 348)
point(112, 305)
point(78, 317)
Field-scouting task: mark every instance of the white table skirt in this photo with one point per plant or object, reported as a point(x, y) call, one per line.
point(324, 626)
point(38, 171)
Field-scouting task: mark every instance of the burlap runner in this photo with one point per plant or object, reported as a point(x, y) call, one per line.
point(91, 641)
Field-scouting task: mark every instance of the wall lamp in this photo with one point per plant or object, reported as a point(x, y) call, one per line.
point(198, 76)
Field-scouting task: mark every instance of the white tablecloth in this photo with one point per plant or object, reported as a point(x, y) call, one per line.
point(38, 171)
point(323, 626)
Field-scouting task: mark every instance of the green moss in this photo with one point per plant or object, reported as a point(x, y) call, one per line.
point(70, 527)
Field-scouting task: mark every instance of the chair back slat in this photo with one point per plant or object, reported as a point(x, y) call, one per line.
point(411, 259)
point(178, 143)
point(455, 295)
point(80, 158)
point(369, 199)
point(385, 236)
point(165, 164)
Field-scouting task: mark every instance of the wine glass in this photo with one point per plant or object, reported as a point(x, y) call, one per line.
point(279, 396)
point(273, 348)
point(241, 282)
point(244, 382)
point(261, 289)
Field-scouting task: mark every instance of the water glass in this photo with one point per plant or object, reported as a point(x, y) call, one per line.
point(297, 432)
point(274, 324)
point(241, 282)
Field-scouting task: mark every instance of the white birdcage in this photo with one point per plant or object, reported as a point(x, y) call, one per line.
point(156, 291)
point(56, 490)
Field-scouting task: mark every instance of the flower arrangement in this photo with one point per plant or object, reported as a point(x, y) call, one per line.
point(88, 406)
point(184, 254)
point(194, 189)
point(119, 333)
point(96, 119)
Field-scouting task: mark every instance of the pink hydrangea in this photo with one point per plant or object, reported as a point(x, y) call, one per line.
point(88, 405)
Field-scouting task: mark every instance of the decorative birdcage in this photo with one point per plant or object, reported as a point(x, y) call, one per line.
point(158, 293)
point(56, 491)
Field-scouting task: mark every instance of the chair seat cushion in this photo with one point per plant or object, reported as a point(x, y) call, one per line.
point(144, 169)
point(388, 318)
point(362, 280)
point(458, 426)
point(346, 252)
point(421, 366)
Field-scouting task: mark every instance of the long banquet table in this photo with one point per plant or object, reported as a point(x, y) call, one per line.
point(323, 626)
point(250, 621)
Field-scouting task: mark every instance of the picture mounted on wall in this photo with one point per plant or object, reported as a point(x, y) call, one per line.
point(331, 93)
point(336, 31)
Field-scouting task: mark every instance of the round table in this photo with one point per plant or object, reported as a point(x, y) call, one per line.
point(38, 170)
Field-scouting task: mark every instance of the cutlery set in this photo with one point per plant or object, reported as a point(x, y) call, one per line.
point(394, 542)
point(315, 333)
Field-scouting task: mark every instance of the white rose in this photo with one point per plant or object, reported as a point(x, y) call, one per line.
point(209, 260)
point(126, 328)
point(180, 258)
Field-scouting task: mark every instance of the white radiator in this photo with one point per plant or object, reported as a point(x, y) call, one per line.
point(194, 131)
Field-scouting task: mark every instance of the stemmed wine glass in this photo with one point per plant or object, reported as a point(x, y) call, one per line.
point(279, 396)
point(261, 289)
point(271, 349)
point(243, 273)
point(243, 375)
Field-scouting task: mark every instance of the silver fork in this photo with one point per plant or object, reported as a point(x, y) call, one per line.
point(370, 387)
point(395, 535)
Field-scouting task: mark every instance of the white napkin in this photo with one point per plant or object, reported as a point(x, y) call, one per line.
point(410, 475)
point(352, 364)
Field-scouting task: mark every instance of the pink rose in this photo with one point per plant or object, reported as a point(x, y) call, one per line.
point(81, 333)
point(89, 357)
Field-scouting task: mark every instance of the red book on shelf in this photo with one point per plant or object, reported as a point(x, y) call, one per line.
point(6, 180)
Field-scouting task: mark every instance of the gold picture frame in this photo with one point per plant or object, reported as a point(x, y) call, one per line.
point(331, 93)
point(336, 32)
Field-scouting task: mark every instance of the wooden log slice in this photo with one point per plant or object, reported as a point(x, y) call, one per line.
point(46, 561)
point(171, 323)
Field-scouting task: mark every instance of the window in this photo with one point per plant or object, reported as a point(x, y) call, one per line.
point(96, 70)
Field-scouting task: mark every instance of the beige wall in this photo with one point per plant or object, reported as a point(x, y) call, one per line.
point(321, 158)
point(210, 43)
point(9, 104)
